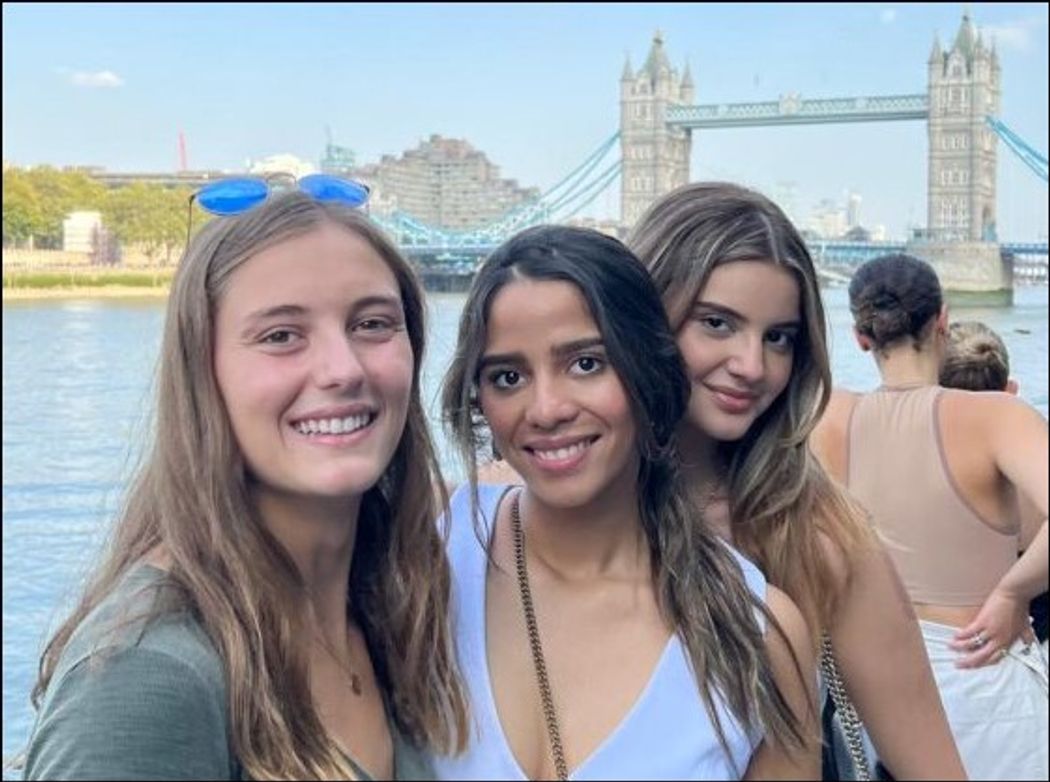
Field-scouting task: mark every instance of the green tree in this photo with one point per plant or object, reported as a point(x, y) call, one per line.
point(151, 216)
point(23, 216)
point(59, 193)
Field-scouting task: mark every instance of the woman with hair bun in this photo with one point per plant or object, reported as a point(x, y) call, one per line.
point(941, 470)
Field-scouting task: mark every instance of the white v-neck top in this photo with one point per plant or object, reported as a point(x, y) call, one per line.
point(666, 734)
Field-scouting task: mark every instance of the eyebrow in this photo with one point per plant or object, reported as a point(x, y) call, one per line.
point(559, 351)
point(298, 310)
point(722, 308)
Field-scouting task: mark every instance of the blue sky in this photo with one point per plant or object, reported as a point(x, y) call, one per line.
point(536, 87)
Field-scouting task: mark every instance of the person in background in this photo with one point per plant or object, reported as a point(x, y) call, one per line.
point(939, 469)
point(977, 360)
point(273, 602)
point(603, 632)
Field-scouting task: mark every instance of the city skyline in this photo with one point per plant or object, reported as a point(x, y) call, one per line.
point(533, 87)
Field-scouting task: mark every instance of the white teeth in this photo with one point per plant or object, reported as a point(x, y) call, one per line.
point(562, 453)
point(333, 425)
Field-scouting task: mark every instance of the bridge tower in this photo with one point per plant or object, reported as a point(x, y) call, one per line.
point(961, 242)
point(655, 155)
point(961, 180)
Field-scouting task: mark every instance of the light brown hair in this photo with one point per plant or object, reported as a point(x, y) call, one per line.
point(191, 496)
point(976, 358)
point(780, 498)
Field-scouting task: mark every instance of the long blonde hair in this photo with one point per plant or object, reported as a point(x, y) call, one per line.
point(191, 496)
point(780, 498)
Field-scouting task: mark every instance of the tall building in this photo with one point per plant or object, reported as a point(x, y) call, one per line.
point(853, 210)
point(963, 89)
point(444, 182)
point(655, 156)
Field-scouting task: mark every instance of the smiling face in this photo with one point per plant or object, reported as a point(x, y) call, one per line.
point(314, 364)
point(738, 341)
point(557, 410)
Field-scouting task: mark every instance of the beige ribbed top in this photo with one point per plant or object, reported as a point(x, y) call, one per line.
point(945, 552)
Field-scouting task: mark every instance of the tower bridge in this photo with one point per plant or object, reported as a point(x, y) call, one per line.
point(659, 115)
point(659, 119)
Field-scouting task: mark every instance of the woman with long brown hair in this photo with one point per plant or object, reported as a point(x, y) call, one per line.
point(603, 632)
point(273, 601)
point(742, 295)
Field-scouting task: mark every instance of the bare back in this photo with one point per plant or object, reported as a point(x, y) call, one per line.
point(970, 434)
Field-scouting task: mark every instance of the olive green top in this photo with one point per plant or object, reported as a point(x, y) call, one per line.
point(132, 699)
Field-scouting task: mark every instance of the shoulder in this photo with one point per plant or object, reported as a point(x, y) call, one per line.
point(842, 402)
point(133, 698)
point(829, 435)
point(783, 609)
point(833, 555)
point(789, 642)
point(978, 405)
point(985, 419)
point(131, 619)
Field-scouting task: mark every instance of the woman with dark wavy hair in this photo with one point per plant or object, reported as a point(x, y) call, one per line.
point(603, 631)
point(940, 470)
point(273, 602)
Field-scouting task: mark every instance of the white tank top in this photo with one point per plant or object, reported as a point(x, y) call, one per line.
point(666, 734)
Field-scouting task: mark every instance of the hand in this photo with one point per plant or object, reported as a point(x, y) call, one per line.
point(1001, 621)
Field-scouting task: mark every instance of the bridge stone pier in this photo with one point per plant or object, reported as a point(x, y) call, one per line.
point(658, 117)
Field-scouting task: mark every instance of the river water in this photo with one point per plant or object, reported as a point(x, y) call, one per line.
point(77, 380)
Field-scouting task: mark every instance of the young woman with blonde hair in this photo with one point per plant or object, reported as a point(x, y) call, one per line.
point(742, 295)
point(273, 601)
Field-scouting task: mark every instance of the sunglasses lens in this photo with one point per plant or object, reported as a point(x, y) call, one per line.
point(232, 196)
point(329, 188)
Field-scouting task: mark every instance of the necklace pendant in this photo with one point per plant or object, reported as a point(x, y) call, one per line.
point(355, 684)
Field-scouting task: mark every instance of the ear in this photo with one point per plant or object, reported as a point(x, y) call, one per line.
point(942, 320)
point(1012, 387)
point(862, 342)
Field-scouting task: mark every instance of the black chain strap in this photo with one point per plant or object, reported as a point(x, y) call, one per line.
point(537, 649)
point(851, 724)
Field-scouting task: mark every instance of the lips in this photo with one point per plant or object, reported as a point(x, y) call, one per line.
point(561, 454)
point(731, 401)
point(334, 425)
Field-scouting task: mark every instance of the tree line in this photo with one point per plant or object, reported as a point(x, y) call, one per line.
point(37, 200)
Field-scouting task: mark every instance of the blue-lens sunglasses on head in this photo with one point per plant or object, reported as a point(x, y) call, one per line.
point(237, 195)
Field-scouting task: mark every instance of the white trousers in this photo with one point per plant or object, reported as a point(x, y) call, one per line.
point(998, 713)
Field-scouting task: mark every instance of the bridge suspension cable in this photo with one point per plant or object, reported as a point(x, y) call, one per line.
point(1029, 156)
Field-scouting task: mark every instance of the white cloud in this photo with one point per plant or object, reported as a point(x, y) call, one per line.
point(888, 15)
point(93, 78)
point(1014, 35)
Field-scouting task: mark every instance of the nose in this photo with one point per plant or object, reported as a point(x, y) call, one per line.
point(550, 403)
point(336, 362)
point(748, 359)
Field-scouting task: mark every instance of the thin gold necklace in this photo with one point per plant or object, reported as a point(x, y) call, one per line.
point(346, 668)
point(546, 697)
